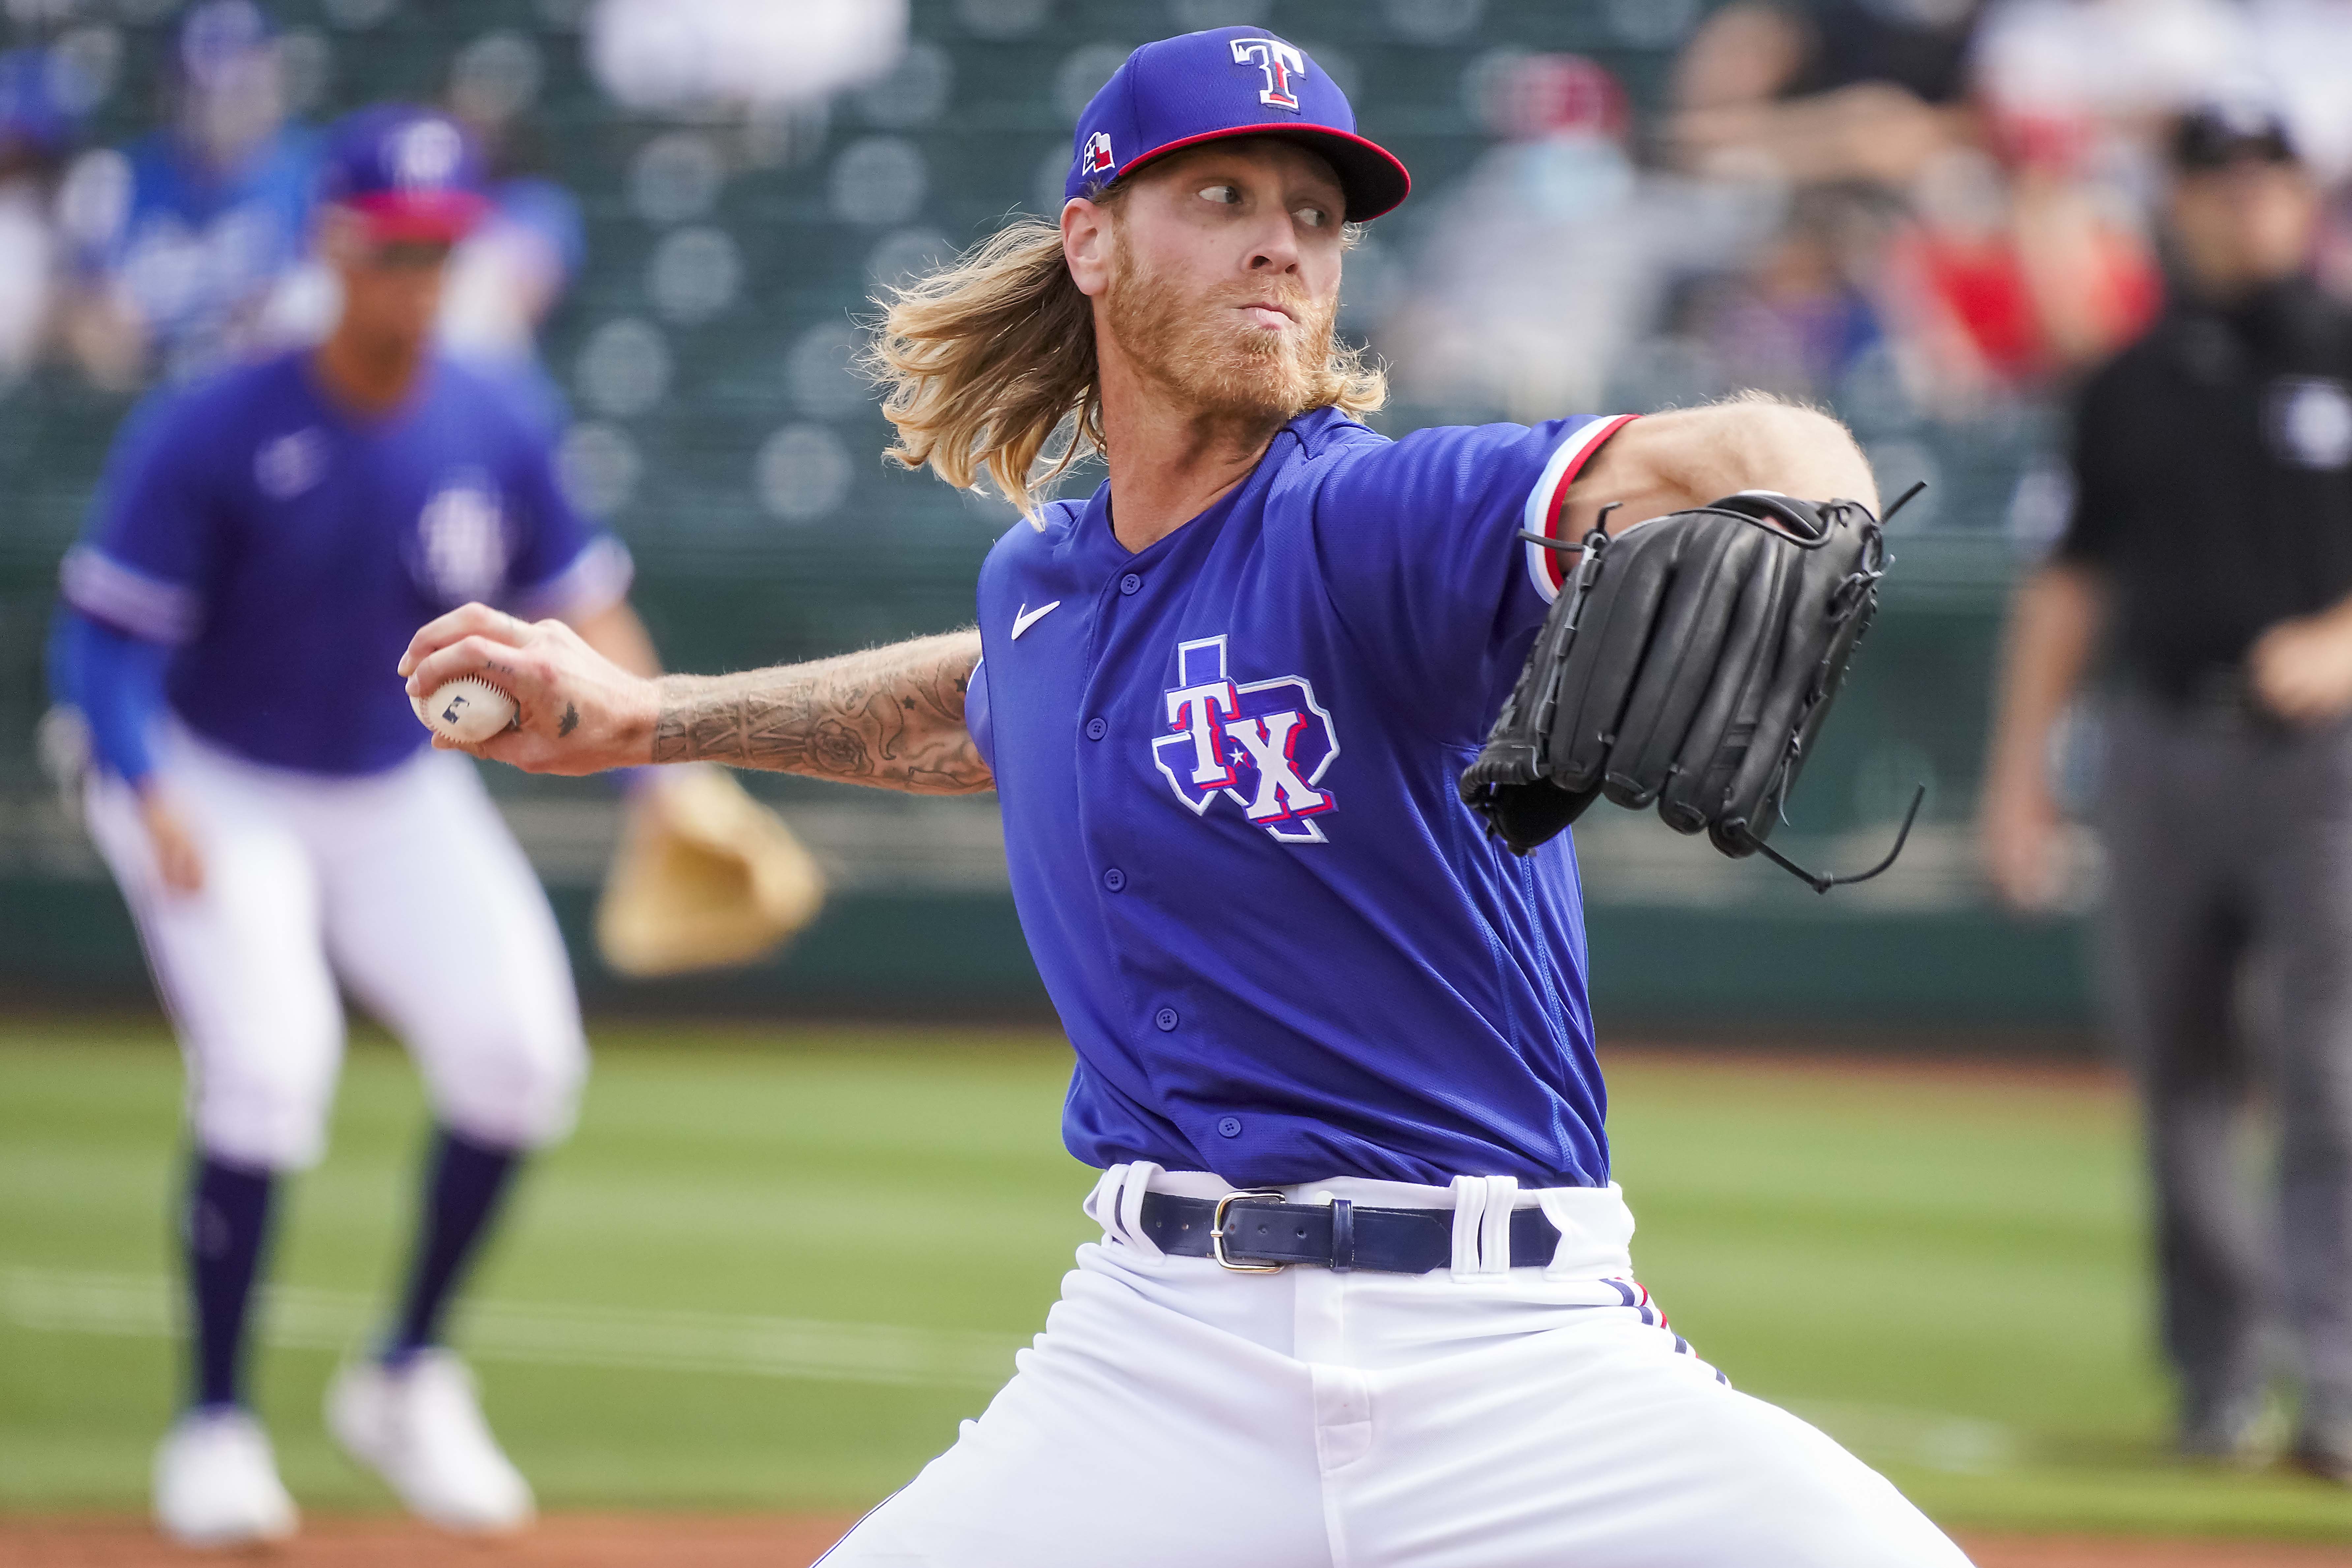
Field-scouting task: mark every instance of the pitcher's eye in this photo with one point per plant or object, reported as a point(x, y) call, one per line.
point(1226, 195)
point(1313, 217)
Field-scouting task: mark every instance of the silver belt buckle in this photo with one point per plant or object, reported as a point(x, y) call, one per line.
point(1217, 1233)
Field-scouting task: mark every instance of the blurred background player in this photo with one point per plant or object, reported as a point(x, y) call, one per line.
point(187, 243)
point(264, 543)
point(2212, 531)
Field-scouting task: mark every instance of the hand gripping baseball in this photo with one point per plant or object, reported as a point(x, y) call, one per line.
point(578, 712)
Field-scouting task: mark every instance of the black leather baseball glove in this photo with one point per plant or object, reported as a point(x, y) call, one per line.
point(1688, 664)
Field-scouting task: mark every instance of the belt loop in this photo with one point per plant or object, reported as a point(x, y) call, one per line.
point(1102, 1205)
point(1130, 1209)
point(1469, 1208)
point(1558, 1209)
point(1495, 1225)
point(1343, 1235)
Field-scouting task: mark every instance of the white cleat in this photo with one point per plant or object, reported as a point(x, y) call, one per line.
point(422, 1430)
point(217, 1482)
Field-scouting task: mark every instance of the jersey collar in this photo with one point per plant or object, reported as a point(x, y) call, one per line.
point(1305, 436)
point(1316, 429)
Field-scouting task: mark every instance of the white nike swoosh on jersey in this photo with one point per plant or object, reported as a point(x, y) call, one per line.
point(1026, 617)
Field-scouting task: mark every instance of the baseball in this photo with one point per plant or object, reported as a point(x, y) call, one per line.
point(467, 709)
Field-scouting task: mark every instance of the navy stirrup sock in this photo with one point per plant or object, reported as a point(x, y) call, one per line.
point(226, 1229)
point(462, 1188)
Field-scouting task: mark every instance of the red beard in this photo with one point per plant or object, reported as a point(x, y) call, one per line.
point(1202, 349)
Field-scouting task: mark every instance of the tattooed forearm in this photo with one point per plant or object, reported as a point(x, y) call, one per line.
point(891, 717)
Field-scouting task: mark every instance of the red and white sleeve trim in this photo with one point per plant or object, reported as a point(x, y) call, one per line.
point(1544, 503)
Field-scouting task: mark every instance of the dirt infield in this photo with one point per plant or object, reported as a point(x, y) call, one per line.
point(563, 1541)
point(2072, 1551)
point(792, 1541)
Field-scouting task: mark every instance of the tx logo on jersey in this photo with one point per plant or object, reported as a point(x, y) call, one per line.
point(1280, 62)
point(1262, 745)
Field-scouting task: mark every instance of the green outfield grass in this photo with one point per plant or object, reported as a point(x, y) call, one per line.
point(1944, 1270)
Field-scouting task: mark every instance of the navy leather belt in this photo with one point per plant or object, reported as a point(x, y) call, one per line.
point(1258, 1233)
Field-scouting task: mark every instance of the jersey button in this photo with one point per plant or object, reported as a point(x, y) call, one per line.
point(1166, 1018)
point(1130, 582)
point(1229, 1127)
point(1114, 878)
point(1098, 728)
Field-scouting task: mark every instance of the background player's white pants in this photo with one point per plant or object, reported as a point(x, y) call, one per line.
point(408, 886)
point(1175, 1414)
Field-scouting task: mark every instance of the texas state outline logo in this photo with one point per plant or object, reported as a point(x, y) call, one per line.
point(1263, 745)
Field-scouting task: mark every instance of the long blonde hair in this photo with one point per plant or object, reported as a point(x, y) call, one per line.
point(987, 365)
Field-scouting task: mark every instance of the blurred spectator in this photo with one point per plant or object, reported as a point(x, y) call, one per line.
point(2303, 50)
point(2076, 83)
point(2007, 280)
point(188, 244)
point(2100, 80)
point(505, 280)
point(36, 130)
point(507, 276)
point(1553, 255)
point(2212, 527)
point(2077, 96)
point(1844, 89)
point(672, 55)
point(2021, 260)
point(1795, 320)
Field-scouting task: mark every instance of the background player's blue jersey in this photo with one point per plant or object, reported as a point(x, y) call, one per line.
point(1284, 948)
point(289, 549)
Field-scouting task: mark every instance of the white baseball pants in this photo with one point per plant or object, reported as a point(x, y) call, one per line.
point(1502, 1414)
point(406, 885)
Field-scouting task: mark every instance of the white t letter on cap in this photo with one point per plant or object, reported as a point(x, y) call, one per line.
point(1278, 60)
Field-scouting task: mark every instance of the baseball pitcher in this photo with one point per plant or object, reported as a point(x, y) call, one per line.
point(1363, 1294)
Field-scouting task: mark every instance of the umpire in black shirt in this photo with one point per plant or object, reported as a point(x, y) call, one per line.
point(2211, 550)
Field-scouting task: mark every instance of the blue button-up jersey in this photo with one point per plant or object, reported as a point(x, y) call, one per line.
point(1283, 948)
point(287, 550)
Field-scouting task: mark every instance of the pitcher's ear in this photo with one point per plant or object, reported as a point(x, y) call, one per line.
point(1087, 240)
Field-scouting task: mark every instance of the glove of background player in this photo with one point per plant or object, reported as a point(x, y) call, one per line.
point(1688, 664)
point(704, 877)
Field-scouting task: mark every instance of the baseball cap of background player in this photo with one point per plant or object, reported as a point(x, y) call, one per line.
point(1226, 82)
point(412, 173)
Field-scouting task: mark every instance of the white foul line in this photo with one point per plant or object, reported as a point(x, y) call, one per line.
point(137, 1306)
point(48, 1300)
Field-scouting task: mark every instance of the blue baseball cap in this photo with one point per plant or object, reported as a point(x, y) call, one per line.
point(1227, 82)
point(413, 173)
